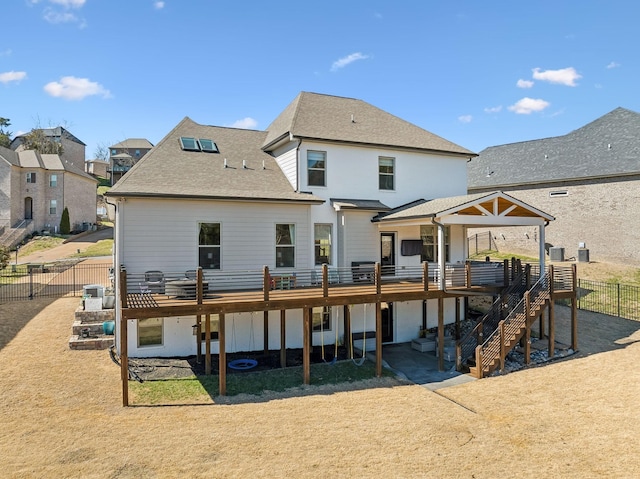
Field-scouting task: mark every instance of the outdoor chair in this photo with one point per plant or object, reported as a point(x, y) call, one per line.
point(155, 281)
point(191, 274)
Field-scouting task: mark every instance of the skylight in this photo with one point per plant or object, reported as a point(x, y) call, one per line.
point(208, 145)
point(189, 144)
point(201, 144)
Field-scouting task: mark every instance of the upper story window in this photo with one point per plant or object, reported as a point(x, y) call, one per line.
point(386, 170)
point(285, 245)
point(137, 153)
point(429, 236)
point(53, 181)
point(114, 152)
point(31, 177)
point(317, 168)
point(209, 246)
point(322, 243)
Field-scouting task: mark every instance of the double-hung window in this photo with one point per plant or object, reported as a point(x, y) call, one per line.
point(429, 236)
point(321, 318)
point(53, 181)
point(31, 177)
point(322, 243)
point(386, 171)
point(285, 245)
point(209, 246)
point(53, 207)
point(317, 168)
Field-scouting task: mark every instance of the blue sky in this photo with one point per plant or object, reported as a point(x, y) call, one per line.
point(477, 73)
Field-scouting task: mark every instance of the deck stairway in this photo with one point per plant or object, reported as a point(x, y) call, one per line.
point(492, 352)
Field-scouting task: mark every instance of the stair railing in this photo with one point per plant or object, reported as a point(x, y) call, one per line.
point(501, 307)
point(495, 344)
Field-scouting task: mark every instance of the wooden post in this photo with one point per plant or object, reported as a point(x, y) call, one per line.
point(527, 345)
point(325, 280)
point(552, 329)
point(207, 344)
point(378, 276)
point(283, 338)
point(306, 346)
point(574, 309)
point(124, 360)
point(266, 282)
point(199, 339)
point(424, 314)
point(347, 330)
point(467, 274)
point(506, 273)
point(222, 356)
point(440, 333)
point(425, 275)
point(378, 331)
point(503, 352)
point(466, 308)
point(541, 325)
point(479, 369)
point(457, 318)
point(123, 289)
point(199, 287)
point(265, 320)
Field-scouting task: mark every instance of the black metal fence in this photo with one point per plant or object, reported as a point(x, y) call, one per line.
point(29, 281)
point(615, 299)
point(480, 243)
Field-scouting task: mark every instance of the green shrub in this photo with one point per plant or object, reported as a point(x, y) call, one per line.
point(65, 225)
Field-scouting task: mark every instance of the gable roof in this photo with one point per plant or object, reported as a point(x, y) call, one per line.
point(608, 146)
point(33, 159)
point(333, 118)
point(57, 132)
point(139, 143)
point(170, 171)
point(496, 206)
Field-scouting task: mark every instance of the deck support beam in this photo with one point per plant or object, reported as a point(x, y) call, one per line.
point(306, 346)
point(207, 344)
point(347, 330)
point(552, 329)
point(199, 338)
point(124, 361)
point(283, 338)
point(378, 339)
point(222, 357)
point(265, 320)
point(440, 333)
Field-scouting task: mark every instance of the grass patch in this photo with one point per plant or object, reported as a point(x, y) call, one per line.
point(202, 388)
point(40, 243)
point(498, 256)
point(103, 189)
point(101, 248)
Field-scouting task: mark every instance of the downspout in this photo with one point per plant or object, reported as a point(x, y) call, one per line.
point(441, 255)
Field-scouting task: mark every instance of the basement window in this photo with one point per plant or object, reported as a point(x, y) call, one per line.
point(553, 194)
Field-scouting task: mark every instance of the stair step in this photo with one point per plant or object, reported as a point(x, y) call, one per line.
point(94, 328)
point(90, 343)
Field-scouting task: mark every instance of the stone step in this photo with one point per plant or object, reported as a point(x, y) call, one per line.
point(94, 328)
point(94, 316)
point(99, 341)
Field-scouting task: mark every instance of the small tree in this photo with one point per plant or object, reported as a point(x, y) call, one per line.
point(4, 257)
point(65, 225)
point(5, 135)
point(37, 140)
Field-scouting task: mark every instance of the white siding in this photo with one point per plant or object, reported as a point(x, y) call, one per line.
point(362, 240)
point(163, 234)
point(286, 158)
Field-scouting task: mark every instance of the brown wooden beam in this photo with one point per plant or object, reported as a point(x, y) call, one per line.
point(207, 345)
point(457, 319)
point(306, 346)
point(378, 338)
point(266, 282)
point(425, 275)
point(441, 334)
point(265, 321)
point(124, 361)
point(283, 338)
point(347, 330)
point(198, 338)
point(222, 356)
point(325, 280)
point(552, 329)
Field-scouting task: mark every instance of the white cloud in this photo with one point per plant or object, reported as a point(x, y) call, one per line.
point(52, 16)
point(8, 77)
point(72, 88)
point(6, 53)
point(465, 118)
point(564, 76)
point(524, 83)
point(528, 105)
point(613, 65)
point(69, 3)
point(247, 123)
point(158, 5)
point(344, 61)
point(493, 109)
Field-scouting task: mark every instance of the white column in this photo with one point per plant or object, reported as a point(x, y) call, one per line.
point(542, 251)
point(441, 255)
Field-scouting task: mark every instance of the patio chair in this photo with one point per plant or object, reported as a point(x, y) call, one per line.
point(191, 274)
point(155, 281)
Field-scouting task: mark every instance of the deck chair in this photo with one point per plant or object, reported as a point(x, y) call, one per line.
point(155, 281)
point(191, 274)
point(144, 288)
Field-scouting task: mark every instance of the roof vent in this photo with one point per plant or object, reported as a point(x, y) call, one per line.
point(609, 146)
point(244, 164)
point(546, 157)
point(353, 118)
point(225, 163)
point(263, 167)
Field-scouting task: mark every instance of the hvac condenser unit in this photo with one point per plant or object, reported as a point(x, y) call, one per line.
point(93, 290)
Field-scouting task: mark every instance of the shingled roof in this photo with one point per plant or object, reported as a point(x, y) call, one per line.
point(606, 147)
point(333, 118)
point(170, 171)
point(33, 159)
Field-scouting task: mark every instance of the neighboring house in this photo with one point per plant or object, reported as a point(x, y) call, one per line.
point(73, 150)
point(589, 178)
point(123, 155)
point(332, 181)
point(35, 189)
point(96, 167)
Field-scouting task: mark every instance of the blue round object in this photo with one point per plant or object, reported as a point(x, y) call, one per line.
point(243, 364)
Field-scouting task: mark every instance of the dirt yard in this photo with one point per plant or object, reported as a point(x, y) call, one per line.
point(62, 417)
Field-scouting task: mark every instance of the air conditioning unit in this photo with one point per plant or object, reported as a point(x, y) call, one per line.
point(93, 290)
